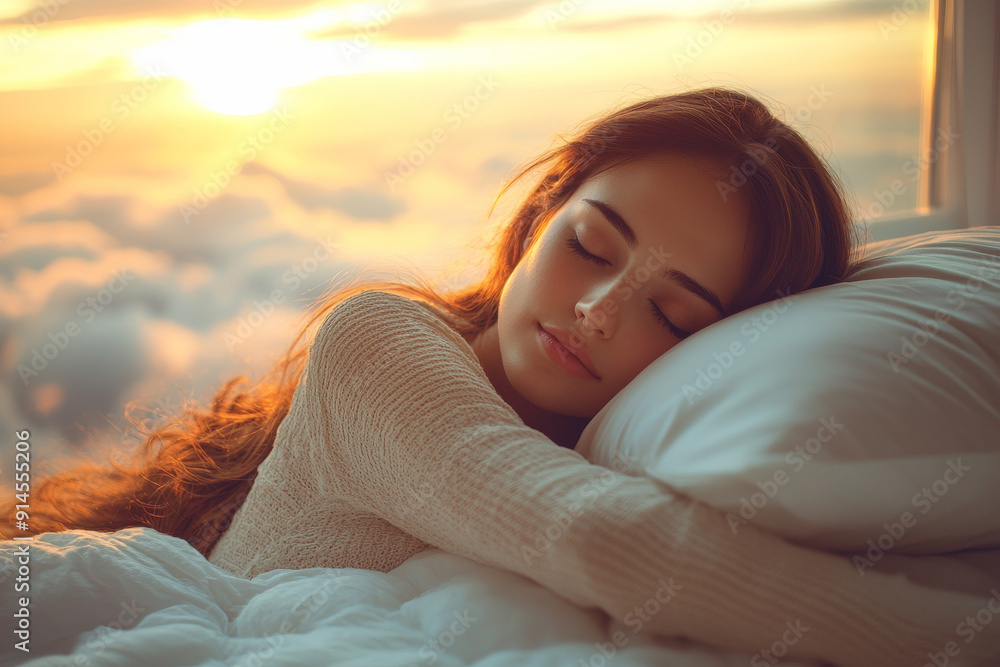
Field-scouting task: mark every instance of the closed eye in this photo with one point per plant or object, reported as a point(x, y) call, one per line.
point(577, 248)
point(658, 314)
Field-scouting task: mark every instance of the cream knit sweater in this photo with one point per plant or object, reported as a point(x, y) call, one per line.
point(396, 442)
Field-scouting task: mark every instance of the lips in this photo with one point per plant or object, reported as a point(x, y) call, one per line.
point(579, 352)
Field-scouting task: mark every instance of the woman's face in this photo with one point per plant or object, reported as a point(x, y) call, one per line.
point(662, 213)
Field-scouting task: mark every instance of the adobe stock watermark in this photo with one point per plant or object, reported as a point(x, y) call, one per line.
point(968, 628)
point(924, 500)
point(432, 650)
point(563, 518)
point(797, 459)
point(318, 597)
point(105, 634)
point(753, 330)
point(364, 35)
point(655, 261)
point(901, 13)
point(597, 143)
point(165, 406)
point(636, 620)
point(562, 12)
point(88, 310)
point(133, 433)
point(211, 531)
point(247, 149)
point(757, 156)
point(912, 345)
point(223, 8)
point(710, 31)
point(46, 11)
point(817, 99)
point(885, 199)
point(303, 611)
point(738, 175)
point(779, 649)
point(454, 116)
point(94, 479)
point(424, 492)
point(121, 108)
point(292, 278)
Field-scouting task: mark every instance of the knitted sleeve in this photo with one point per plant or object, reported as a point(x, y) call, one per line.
point(426, 443)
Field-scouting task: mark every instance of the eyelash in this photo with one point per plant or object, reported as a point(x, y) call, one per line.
point(576, 247)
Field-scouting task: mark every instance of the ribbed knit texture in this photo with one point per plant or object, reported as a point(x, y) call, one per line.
point(396, 442)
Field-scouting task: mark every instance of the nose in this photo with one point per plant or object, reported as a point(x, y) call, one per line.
point(592, 314)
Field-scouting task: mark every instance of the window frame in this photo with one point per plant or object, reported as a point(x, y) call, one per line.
point(961, 187)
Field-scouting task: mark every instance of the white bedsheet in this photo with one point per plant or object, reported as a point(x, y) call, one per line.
point(138, 597)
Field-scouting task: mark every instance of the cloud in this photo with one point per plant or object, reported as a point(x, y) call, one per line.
point(360, 203)
point(65, 283)
point(108, 213)
point(624, 23)
point(132, 10)
point(15, 185)
point(201, 302)
point(89, 371)
point(208, 237)
point(446, 20)
point(800, 14)
point(496, 168)
point(37, 245)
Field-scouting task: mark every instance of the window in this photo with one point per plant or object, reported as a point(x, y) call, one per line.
point(960, 140)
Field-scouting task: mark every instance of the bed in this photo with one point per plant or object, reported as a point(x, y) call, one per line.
point(139, 597)
point(913, 404)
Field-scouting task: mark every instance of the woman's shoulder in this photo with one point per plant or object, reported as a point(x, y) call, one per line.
point(380, 299)
point(380, 319)
point(378, 308)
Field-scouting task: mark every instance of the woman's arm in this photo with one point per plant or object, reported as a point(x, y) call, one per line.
point(423, 441)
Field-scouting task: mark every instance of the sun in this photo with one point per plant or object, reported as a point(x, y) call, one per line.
point(238, 66)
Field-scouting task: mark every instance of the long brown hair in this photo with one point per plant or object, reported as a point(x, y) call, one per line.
point(193, 472)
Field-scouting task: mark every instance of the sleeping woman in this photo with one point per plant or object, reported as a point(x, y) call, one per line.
point(420, 419)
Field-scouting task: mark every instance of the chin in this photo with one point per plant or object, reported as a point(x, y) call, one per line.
point(532, 376)
point(560, 401)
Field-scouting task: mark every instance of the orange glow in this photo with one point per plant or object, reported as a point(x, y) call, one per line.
point(207, 147)
point(238, 66)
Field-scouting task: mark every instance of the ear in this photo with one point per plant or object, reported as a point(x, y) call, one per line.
point(532, 229)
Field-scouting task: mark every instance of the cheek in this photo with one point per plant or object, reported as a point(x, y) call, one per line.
point(636, 348)
point(542, 274)
point(561, 270)
point(516, 297)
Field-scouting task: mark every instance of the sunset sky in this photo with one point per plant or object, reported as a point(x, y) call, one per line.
point(168, 166)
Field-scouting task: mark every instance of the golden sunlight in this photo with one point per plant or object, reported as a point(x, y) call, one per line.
point(238, 66)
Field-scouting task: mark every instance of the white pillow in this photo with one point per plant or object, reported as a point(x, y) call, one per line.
point(860, 416)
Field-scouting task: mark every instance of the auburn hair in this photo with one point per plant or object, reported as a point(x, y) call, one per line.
point(193, 471)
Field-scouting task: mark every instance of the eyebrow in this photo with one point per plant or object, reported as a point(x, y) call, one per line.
point(670, 273)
